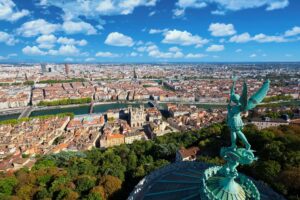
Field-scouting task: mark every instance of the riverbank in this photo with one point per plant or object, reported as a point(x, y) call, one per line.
point(100, 107)
point(8, 111)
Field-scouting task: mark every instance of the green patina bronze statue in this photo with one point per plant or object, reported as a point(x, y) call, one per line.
point(239, 104)
point(224, 182)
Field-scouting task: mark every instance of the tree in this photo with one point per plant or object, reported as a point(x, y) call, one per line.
point(274, 150)
point(42, 193)
point(25, 192)
point(268, 170)
point(84, 183)
point(81, 166)
point(99, 190)
point(93, 196)
point(66, 194)
point(291, 179)
point(7, 185)
point(131, 161)
point(112, 165)
point(111, 185)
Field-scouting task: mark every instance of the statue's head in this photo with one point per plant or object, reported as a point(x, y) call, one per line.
point(235, 98)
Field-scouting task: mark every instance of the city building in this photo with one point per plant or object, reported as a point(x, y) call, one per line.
point(67, 69)
point(267, 122)
point(137, 116)
point(189, 154)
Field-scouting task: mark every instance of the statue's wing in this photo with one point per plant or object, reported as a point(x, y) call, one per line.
point(244, 97)
point(258, 96)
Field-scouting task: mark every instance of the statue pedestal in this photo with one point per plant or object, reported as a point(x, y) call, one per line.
point(225, 182)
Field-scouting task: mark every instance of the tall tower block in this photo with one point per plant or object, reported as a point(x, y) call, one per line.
point(67, 69)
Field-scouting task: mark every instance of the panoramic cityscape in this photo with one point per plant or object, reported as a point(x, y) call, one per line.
point(149, 99)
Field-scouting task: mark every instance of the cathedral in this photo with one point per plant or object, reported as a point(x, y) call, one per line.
point(137, 116)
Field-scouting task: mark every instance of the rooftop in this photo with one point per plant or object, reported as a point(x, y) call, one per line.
point(182, 180)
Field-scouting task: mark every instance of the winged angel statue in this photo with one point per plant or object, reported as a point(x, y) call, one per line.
point(239, 104)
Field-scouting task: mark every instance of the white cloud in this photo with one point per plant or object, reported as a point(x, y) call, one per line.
point(37, 27)
point(277, 5)
point(220, 29)
point(198, 55)
point(94, 9)
point(141, 49)
point(82, 42)
point(178, 12)
point(106, 54)
point(238, 50)
point(133, 54)
point(65, 50)
point(109, 7)
point(8, 56)
point(34, 50)
point(153, 51)
point(71, 41)
point(152, 13)
point(155, 31)
point(174, 49)
point(118, 39)
point(229, 5)
point(71, 27)
point(68, 50)
point(89, 59)
point(159, 54)
point(46, 41)
point(172, 53)
point(262, 38)
point(191, 4)
point(182, 5)
point(294, 31)
point(7, 39)
point(9, 12)
point(215, 48)
point(218, 12)
point(253, 55)
point(183, 38)
point(242, 38)
point(49, 41)
point(246, 4)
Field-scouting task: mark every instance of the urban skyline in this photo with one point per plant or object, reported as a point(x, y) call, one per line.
point(149, 31)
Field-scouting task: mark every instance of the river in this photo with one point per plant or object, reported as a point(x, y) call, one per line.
point(81, 110)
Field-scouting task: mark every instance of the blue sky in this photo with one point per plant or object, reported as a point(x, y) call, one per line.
point(149, 30)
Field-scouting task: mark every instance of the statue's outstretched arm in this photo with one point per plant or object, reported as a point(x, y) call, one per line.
point(256, 98)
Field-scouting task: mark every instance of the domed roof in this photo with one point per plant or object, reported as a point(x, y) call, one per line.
point(182, 181)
